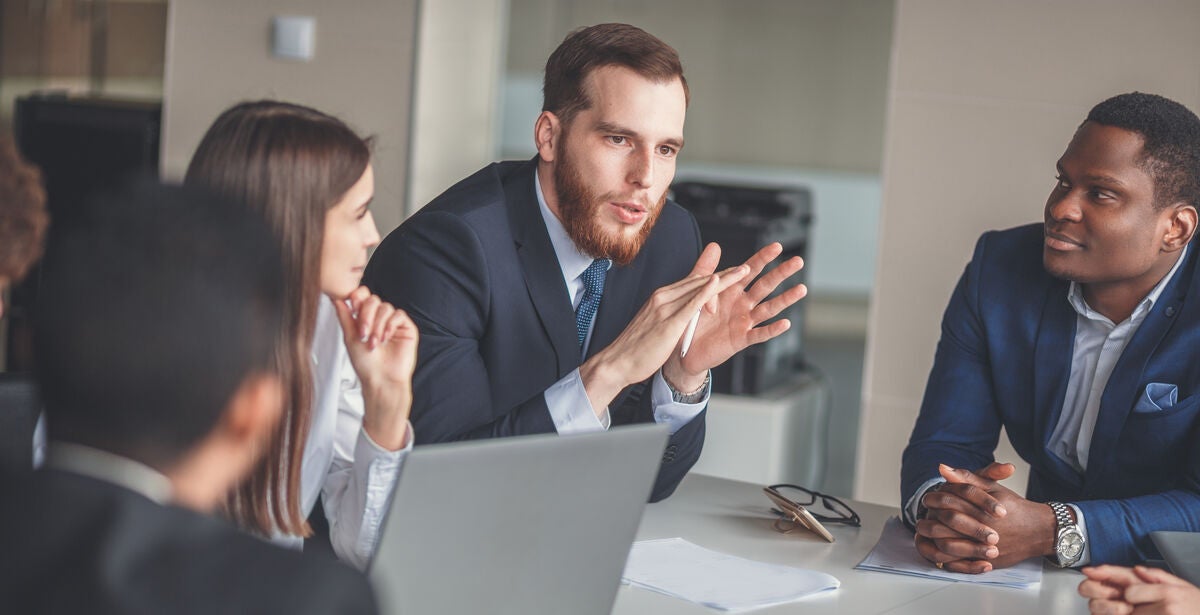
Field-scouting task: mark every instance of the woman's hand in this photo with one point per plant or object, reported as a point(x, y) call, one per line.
point(382, 344)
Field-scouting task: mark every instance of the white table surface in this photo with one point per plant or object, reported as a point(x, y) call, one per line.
point(733, 517)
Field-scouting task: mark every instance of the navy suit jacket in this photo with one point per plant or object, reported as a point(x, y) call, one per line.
point(1004, 360)
point(73, 544)
point(476, 271)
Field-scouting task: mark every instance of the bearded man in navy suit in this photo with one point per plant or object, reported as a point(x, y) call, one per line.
point(552, 295)
point(1079, 337)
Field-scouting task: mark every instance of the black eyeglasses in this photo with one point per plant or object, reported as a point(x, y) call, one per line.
point(839, 511)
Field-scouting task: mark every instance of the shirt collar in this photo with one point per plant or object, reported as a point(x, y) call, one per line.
point(570, 259)
point(1075, 296)
point(105, 466)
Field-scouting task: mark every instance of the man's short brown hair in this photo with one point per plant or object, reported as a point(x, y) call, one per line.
point(23, 217)
point(609, 44)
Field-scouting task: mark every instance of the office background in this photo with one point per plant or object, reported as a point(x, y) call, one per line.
point(919, 124)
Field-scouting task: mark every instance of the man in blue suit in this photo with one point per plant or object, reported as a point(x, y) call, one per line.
point(526, 278)
point(1079, 337)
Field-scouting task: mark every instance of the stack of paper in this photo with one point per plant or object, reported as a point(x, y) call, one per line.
point(676, 567)
point(895, 553)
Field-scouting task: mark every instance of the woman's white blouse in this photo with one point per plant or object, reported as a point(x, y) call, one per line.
point(341, 462)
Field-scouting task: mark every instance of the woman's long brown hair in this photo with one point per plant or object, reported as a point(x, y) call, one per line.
point(292, 164)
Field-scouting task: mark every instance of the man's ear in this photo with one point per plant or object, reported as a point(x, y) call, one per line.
point(546, 133)
point(253, 412)
point(224, 457)
point(1182, 227)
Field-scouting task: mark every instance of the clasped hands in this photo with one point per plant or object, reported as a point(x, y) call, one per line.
point(973, 524)
point(732, 313)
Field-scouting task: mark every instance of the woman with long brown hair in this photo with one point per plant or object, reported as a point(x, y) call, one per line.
point(346, 356)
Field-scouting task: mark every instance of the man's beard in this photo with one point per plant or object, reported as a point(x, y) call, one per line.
point(580, 210)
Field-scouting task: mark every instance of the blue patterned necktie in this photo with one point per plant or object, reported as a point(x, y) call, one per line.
point(593, 288)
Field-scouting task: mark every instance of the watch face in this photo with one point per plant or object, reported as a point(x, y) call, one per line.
point(1070, 546)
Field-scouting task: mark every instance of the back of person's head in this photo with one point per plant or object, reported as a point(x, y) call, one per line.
point(564, 91)
point(1171, 142)
point(292, 164)
point(23, 217)
point(152, 312)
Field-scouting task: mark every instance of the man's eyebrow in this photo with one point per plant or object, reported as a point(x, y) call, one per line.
point(616, 129)
point(1096, 178)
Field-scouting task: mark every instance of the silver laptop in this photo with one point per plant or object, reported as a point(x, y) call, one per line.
point(533, 524)
point(1182, 552)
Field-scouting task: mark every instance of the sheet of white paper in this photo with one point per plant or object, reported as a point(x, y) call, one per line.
point(676, 567)
point(895, 553)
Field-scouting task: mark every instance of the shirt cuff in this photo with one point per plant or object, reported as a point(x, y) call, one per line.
point(1086, 557)
point(669, 412)
point(914, 503)
point(570, 408)
point(378, 451)
point(377, 469)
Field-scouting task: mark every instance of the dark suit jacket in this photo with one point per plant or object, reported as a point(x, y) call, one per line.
point(477, 272)
point(73, 544)
point(1004, 360)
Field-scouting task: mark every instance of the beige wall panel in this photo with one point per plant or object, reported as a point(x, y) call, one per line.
point(983, 99)
point(1074, 52)
point(218, 53)
point(960, 168)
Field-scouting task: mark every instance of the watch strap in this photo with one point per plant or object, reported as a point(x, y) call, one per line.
point(694, 397)
point(1064, 525)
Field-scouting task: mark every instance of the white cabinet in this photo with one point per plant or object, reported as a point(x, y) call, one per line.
point(777, 437)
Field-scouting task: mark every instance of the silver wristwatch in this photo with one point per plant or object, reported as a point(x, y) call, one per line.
point(690, 398)
point(1068, 541)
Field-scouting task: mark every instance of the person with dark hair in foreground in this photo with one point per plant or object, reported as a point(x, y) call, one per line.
point(153, 341)
point(1079, 337)
point(526, 278)
point(23, 217)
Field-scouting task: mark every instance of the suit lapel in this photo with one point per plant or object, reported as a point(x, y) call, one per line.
point(1123, 386)
point(1051, 371)
point(543, 275)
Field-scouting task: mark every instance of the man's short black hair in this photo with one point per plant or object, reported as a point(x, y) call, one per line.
point(1171, 135)
point(153, 311)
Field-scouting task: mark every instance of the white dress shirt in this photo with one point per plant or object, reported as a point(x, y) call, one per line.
point(341, 462)
point(1097, 348)
point(566, 399)
point(108, 467)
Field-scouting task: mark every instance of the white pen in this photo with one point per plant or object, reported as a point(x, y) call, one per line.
point(689, 334)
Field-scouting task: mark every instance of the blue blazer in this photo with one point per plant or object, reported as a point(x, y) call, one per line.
point(477, 272)
point(1003, 361)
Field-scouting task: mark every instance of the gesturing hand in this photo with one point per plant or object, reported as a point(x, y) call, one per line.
point(734, 324)
point(1119, 591)
point(654, 333)
point(382, 344)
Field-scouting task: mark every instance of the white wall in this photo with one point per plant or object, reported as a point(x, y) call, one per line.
point(218, 54)
point(984, 97)
point(460, 56)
